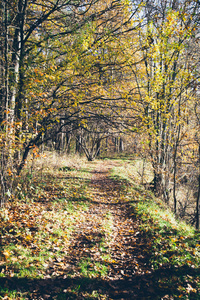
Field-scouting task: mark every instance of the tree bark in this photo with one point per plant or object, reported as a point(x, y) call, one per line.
point(198, 198)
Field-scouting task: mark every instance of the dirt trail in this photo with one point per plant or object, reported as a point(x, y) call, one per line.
point(96, 245)
point(106, 256)
point(127, 250)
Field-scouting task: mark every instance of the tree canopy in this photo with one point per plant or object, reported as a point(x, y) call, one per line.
point(96, 69)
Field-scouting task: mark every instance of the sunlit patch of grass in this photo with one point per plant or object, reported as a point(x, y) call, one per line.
point(20, 262)
point(92, 269)
point(52, 174)
point(5, 293)
point(155, 209)
point(107, 225)
point(134, 171)
point(174, 242)
point(51, 160)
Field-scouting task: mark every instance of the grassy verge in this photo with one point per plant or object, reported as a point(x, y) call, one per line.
point(172, 245)
point(37, 224)
point(38, 229)
point(56, 239)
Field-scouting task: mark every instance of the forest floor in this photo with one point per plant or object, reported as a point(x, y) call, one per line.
point(82, 233)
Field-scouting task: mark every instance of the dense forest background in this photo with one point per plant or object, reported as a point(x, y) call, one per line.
point(98, 77)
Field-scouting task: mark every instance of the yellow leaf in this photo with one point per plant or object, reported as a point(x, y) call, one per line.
point(6, 253)
point(28, 237)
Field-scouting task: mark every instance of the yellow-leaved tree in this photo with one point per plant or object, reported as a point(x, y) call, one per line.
point(165, 88)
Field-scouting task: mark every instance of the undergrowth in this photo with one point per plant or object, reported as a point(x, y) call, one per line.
point(171, 243)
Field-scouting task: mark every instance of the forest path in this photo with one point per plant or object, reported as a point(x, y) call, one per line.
point(79, 239)
point(110, 237)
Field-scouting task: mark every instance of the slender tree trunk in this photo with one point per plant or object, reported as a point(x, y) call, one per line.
point(157, 187)
point(78, 144)
point(98, 145)
point(121, 145)
point(68, 142)
point(20, 96)
point(198, 198)
point(175, 164)
point(14, 76)
point(6, 63)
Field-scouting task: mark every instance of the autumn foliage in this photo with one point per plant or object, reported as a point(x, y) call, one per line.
point(98, 78)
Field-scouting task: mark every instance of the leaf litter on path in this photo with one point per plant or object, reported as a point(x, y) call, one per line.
point(94, 252)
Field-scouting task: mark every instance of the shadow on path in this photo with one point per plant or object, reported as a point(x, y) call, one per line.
point(144, 286)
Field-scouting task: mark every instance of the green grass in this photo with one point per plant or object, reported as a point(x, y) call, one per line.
point(92, 269)
point(171, 243)
point(133, 170)
point(38, 230)
point(5, 292)
point(156, 219)
point(107, 225)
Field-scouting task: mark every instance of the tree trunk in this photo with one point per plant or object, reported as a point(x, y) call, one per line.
point(198, 198)
point(198, 205)
point(5, 64)
point(157, 184)
point(78, 144)
point(98, 148)
point(121, 145)
point(68, 141)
